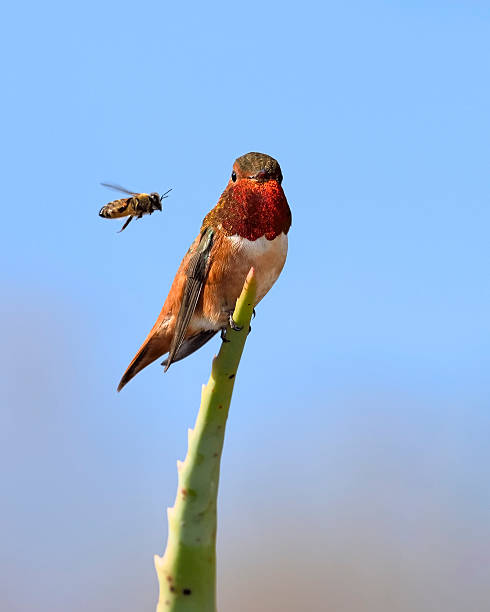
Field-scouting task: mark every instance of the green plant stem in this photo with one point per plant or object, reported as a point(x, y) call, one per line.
point(187, 570)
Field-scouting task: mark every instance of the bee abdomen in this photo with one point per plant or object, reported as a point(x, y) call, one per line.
point(105, 212)
point(118, 208)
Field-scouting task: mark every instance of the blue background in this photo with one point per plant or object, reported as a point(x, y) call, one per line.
point(356, 464)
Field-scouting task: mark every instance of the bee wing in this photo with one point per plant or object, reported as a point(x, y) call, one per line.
point(119, 188)
point(196, 275)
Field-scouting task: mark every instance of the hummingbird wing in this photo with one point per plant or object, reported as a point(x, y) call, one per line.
point(196, 275)
point(192, 344)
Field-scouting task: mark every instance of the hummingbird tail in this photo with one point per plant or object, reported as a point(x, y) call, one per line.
point(151, 349)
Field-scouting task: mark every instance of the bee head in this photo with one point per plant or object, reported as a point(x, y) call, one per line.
point(156, 202)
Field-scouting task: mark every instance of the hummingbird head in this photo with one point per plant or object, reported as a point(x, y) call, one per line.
point(253, 203)
point(257, 167)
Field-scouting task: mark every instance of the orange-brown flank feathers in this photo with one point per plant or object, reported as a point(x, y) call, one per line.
point(157, 343)
point(247, 228)
point(211, 309)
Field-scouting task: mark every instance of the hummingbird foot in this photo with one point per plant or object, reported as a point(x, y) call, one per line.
point(223, 335)
point(232, 323)
point(253, 317)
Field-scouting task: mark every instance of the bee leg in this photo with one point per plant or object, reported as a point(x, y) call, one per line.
point(126, 224)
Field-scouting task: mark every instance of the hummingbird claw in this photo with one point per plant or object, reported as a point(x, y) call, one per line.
point(233, 325)
point(223, 335)
point(253, 313)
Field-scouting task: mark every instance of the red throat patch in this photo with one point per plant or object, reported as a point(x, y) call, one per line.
point(251, 209)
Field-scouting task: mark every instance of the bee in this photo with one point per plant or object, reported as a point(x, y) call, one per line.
point(137, 205)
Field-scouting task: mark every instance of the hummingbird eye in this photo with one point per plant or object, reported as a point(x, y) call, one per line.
point(233, 176)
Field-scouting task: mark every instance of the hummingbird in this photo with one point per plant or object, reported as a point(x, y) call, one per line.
point(247, 228)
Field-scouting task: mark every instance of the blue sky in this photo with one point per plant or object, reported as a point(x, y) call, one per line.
point(361, 404)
